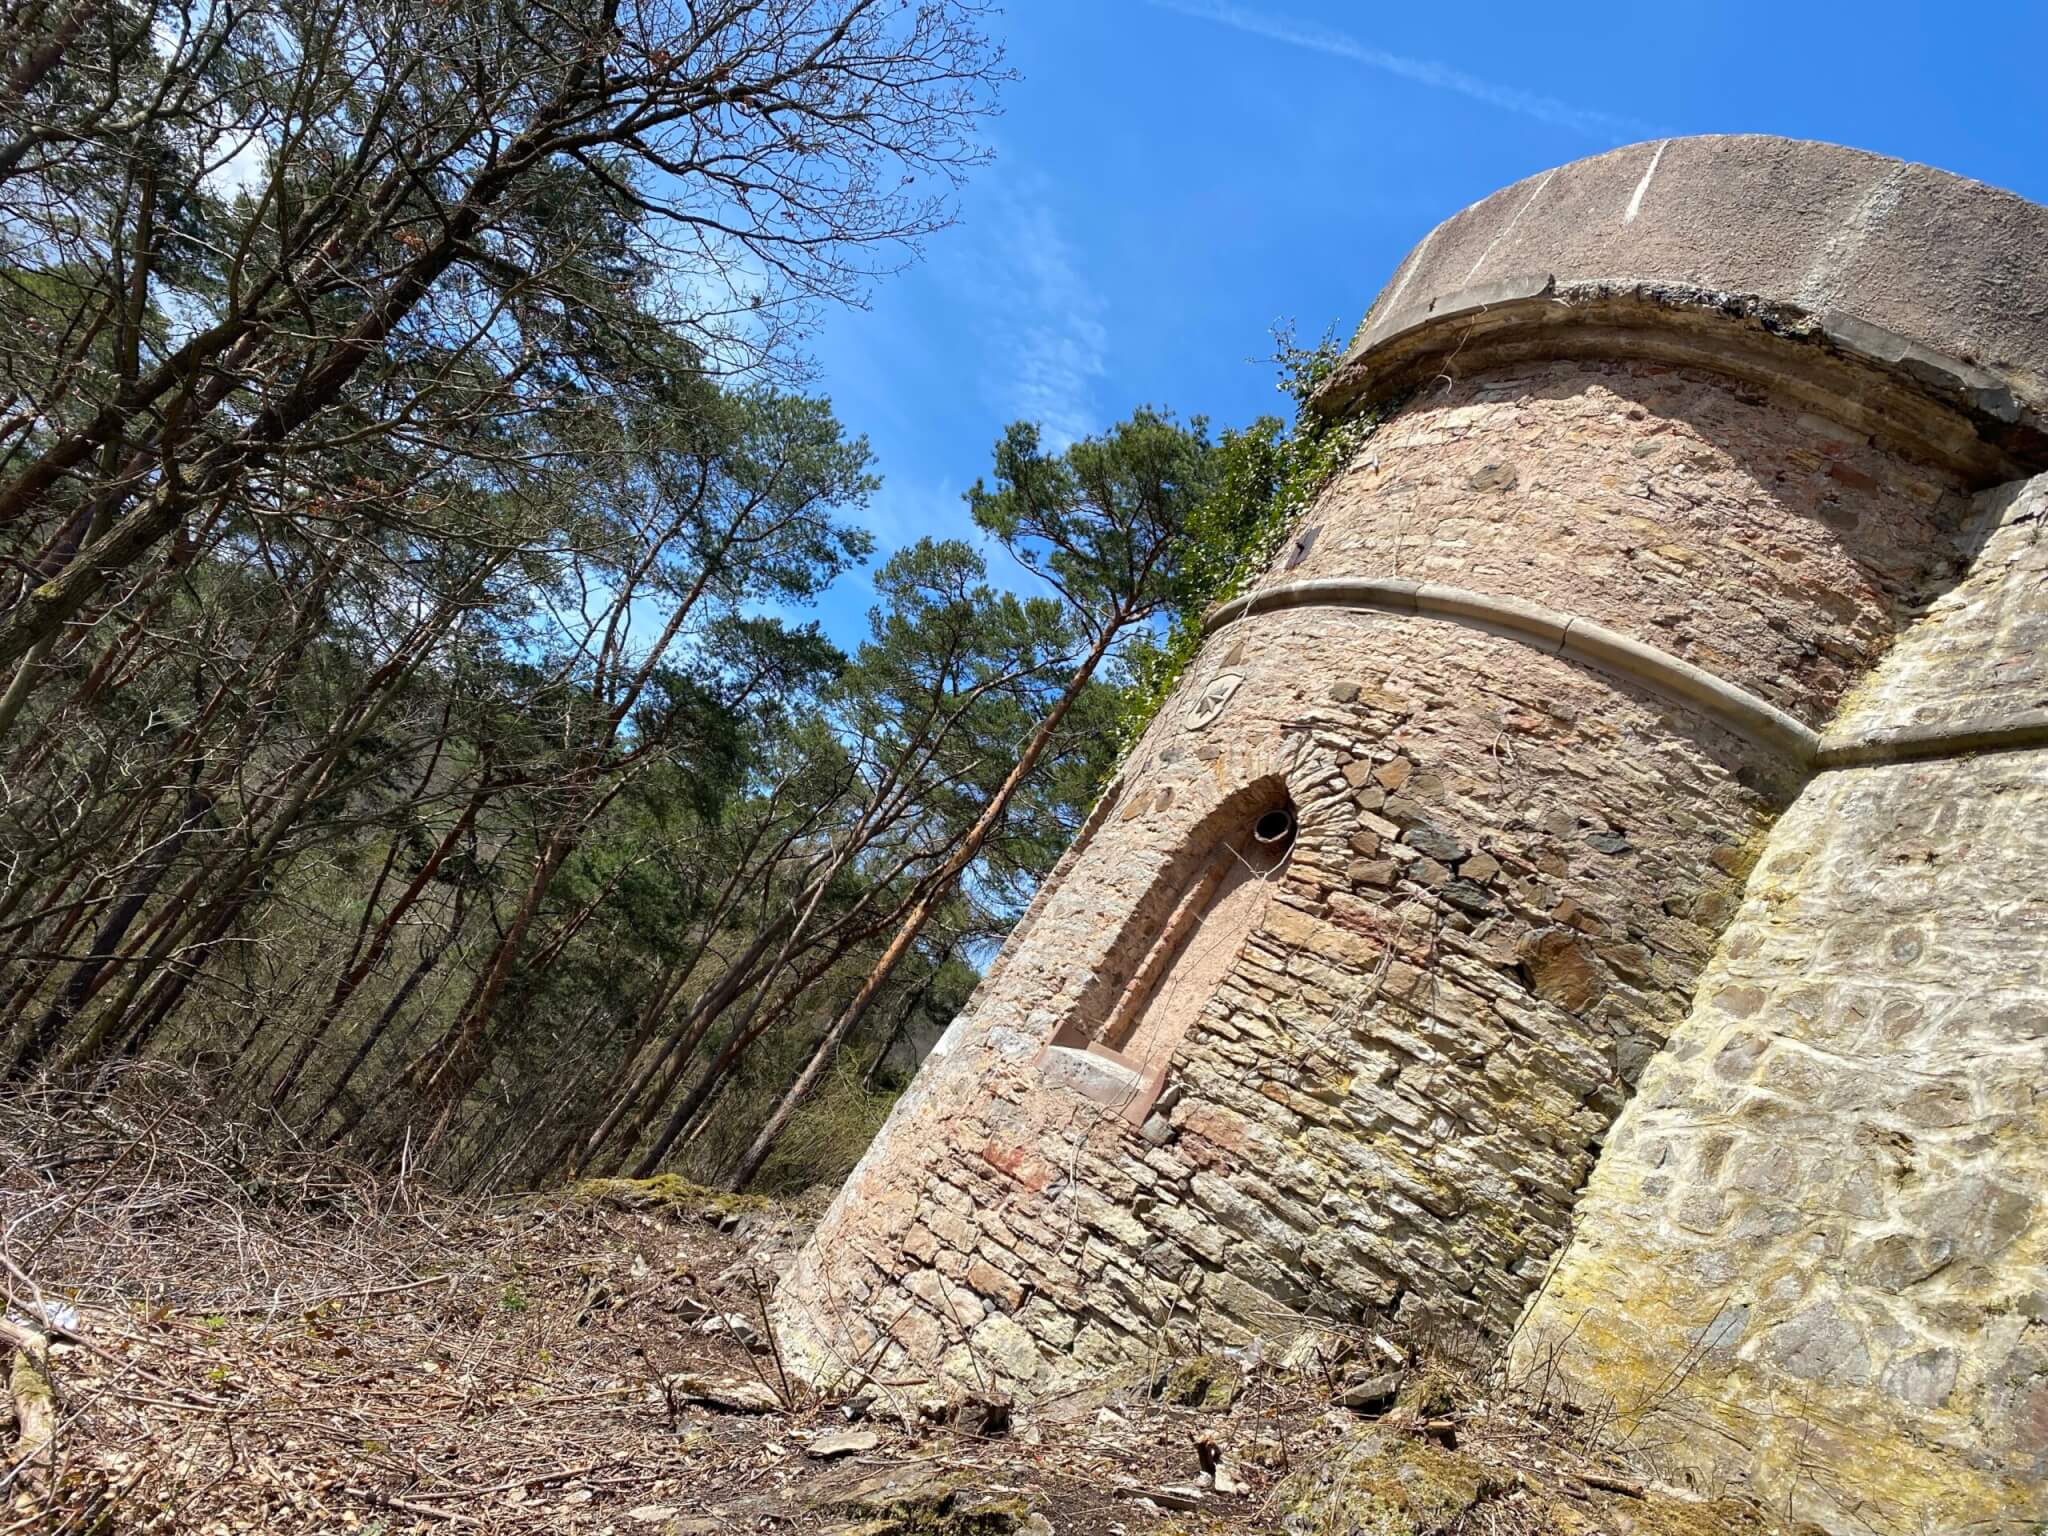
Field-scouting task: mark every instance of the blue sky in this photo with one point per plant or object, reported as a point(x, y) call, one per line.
point(1176, 177)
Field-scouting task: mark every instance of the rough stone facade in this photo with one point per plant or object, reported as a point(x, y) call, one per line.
point(1815, 1253)
point(1492, 916)
point(1219, 1084)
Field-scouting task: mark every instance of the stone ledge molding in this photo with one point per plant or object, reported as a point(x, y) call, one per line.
point(1553, 633)
point(1938, 408)
point(1576, 639)
point(1923, 746)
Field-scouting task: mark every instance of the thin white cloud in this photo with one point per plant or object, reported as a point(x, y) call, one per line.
point(1424, 72)
point(1050, 343)
point(909, 506)
point(243, 169)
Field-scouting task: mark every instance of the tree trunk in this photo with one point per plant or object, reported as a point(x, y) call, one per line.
point(920, 914)
point(910, 1006)
point(345, 987)
point(422, 968)
point(107, 942)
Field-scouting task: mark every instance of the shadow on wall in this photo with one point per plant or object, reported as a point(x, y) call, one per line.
point(1175, 949)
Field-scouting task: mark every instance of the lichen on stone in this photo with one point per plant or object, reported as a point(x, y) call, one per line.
point(1384, 1485)
point(1207, 1381)
point(917, 1501)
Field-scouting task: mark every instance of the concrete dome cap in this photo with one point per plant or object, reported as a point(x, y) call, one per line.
point(1914, 293)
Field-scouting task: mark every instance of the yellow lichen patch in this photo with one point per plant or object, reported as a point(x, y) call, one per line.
point(1386, 1486)
point(1383, 1484)
point(34, 1404)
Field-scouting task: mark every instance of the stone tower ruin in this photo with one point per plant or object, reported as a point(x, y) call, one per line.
point(1591, 892)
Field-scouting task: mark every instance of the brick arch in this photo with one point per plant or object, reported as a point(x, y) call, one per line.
point(1254, 785)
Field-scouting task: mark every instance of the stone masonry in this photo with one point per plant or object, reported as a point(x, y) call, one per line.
point(1815, 1254)
point(1607, 614)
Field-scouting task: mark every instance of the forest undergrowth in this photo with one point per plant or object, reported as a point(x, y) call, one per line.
point(243, 1335)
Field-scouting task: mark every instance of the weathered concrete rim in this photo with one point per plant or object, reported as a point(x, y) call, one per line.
point(1937, 408)
point(1546, 630)
point(1928, 745)
point(1884, 273)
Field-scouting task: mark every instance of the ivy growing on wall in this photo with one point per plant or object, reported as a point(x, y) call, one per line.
point(1266, 477)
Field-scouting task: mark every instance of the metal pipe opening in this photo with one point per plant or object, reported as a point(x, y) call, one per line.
point(1273, 827)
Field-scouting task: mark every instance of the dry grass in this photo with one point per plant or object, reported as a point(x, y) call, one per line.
point(252, 1337)
point(260, 1338)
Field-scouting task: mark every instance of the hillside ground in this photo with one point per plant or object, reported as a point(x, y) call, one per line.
point(248, 1336)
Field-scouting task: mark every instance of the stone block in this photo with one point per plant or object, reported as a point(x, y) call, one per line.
point(994, 1284)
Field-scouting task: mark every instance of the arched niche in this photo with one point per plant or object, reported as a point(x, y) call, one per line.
point(1177, 944)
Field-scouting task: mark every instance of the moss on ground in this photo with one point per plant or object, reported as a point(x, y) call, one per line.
point(1205, 1381)
point(1385, 1483)
point(915, 1501)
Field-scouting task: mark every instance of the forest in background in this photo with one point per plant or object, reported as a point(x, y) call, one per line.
point(408, 500)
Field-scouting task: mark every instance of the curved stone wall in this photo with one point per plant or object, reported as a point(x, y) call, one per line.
point(1516, 857)
point(1511, 867)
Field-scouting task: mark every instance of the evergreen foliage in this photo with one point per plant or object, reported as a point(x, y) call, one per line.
point(1262, 479)
point(408, 500)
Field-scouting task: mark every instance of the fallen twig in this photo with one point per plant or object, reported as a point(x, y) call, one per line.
point(406, 1506)
point(539, 1479)
point(1608, 1483)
